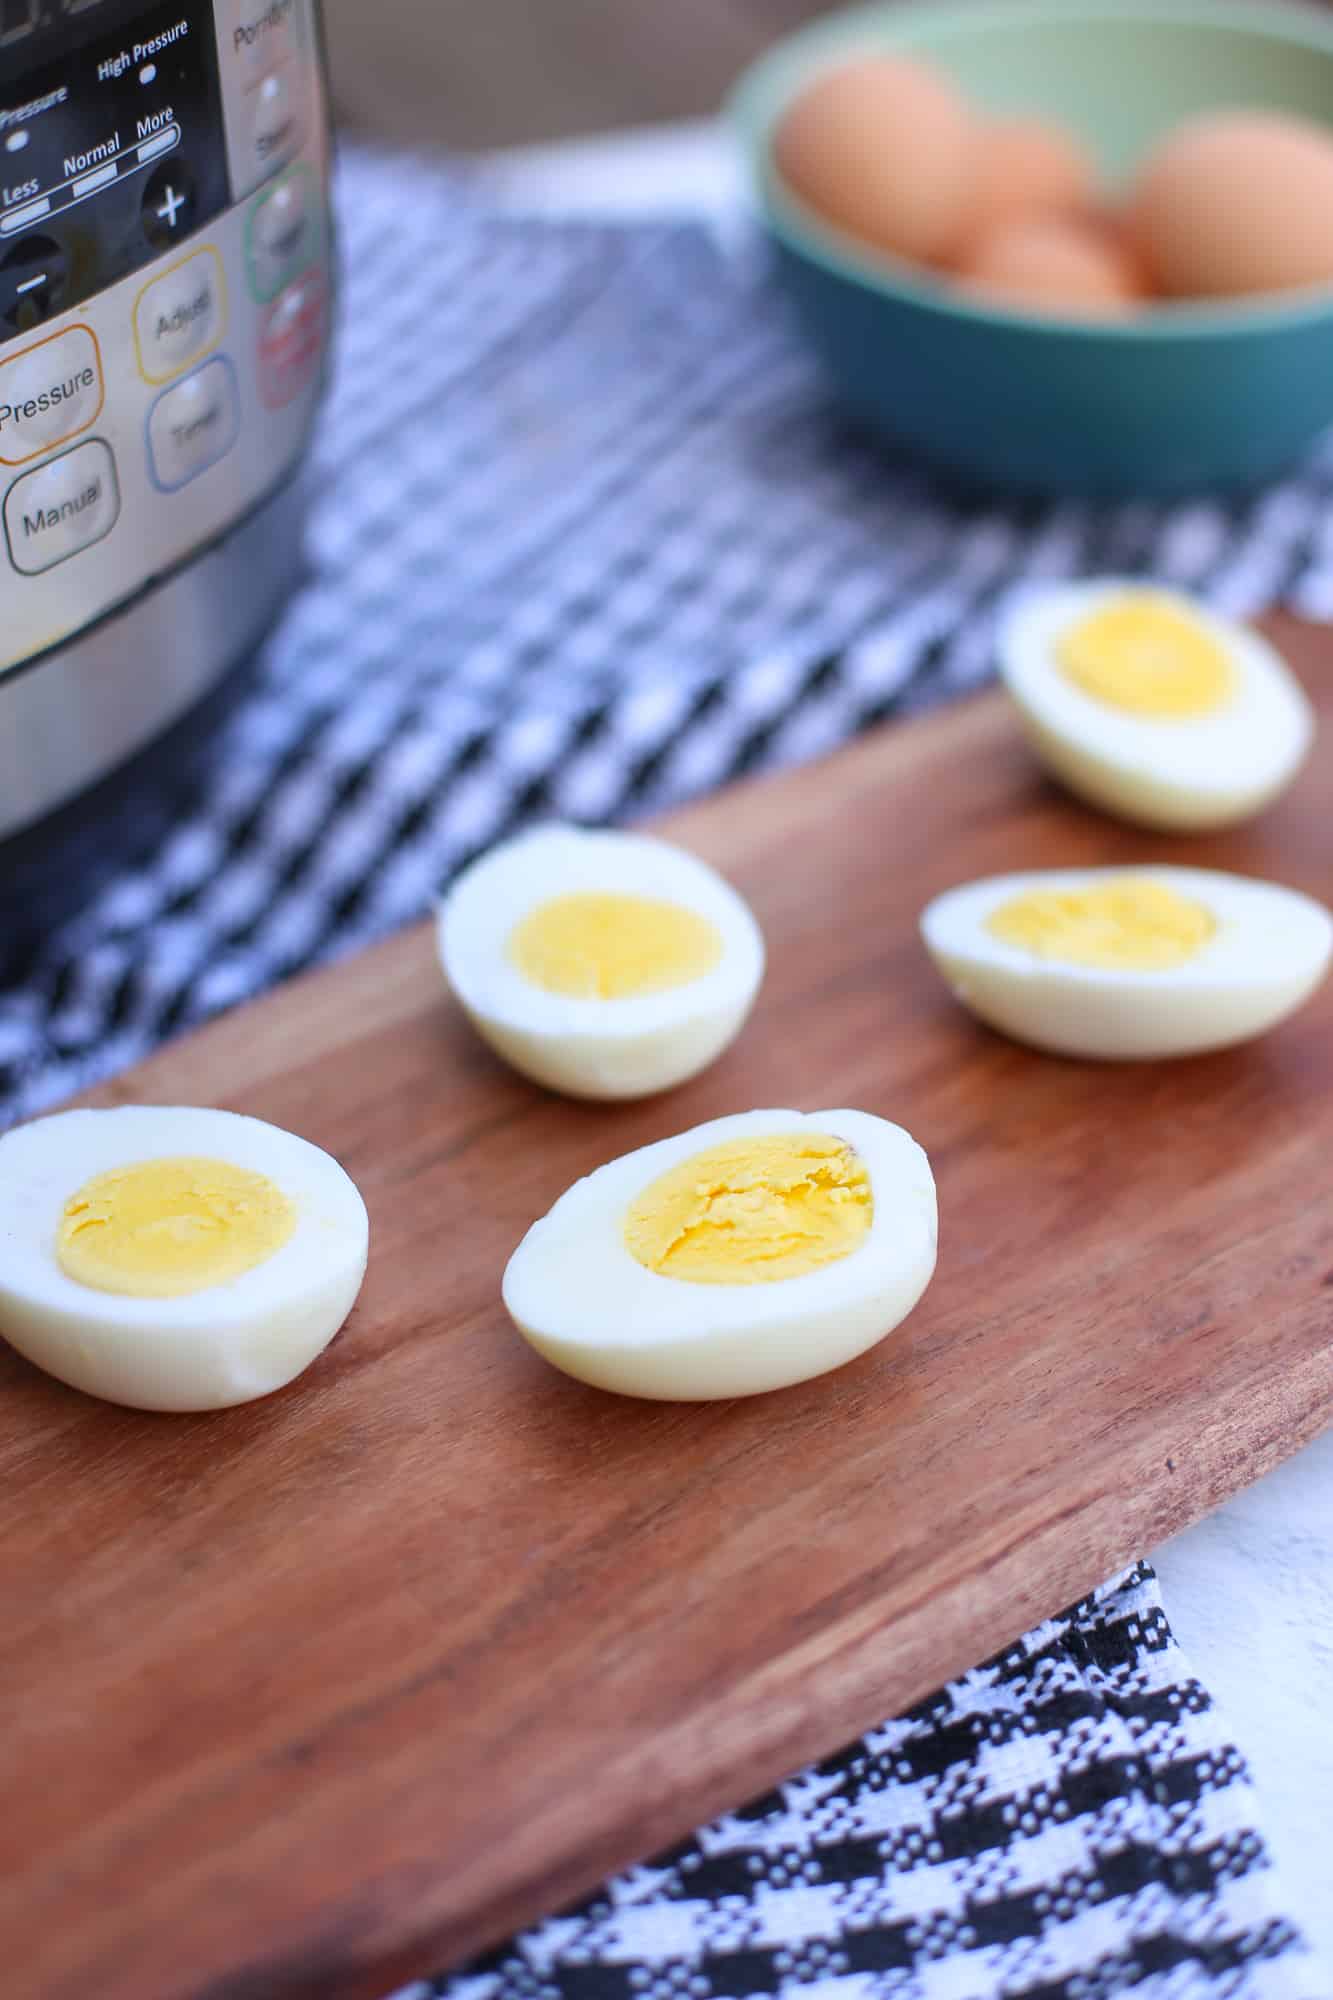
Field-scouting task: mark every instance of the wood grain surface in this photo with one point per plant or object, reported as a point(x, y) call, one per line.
point(510, 73)
point(306, 1698)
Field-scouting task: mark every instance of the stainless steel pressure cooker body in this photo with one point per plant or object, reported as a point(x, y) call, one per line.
point(164, 304)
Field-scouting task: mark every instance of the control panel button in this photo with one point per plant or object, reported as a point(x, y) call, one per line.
point(275, 120)
point(34, 283)
point(61, 508)
point(168, 205)
point(180, 316)
point(291, 339)
point(49, 393)
point(282, 237)
point(193, 424)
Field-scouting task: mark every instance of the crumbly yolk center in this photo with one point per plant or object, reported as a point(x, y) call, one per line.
point(591, 945)
point(163, 1228)
point(1143, 655)
point(753, 1210)
point(1128, 924)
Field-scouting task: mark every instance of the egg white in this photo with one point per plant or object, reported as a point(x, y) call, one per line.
point(1186, 773)
point(226, 1344)
point(585, 1302)
point(1270, 951)
point(586, 1047)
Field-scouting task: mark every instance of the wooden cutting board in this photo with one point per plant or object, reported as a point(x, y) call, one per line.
point(309, 1697)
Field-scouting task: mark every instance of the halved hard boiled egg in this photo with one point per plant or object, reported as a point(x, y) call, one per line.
point(749, 1253)
point(602, 964)
point(1151, 706)
point(171, 1258)
point(1129, 963)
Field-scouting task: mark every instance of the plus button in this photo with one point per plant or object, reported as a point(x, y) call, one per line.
point(169, 204)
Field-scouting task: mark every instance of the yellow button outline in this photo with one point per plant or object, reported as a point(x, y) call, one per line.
point(199, 354)
point(78, 326)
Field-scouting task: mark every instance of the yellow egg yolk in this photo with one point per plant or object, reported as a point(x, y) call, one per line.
point(162, 1228)
point(592, 945)
point(1129, 924)
point(753, 1210)
point(1143, 655)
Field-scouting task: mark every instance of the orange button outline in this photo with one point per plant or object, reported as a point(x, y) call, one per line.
point(202, 353)
point(54, 444)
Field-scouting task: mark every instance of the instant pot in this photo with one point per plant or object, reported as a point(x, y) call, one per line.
point(164, 307)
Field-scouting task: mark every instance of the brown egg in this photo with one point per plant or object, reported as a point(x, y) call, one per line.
point(1111, 225)
point(885, 149)
point(1241, 201)
point(1055, 264)
point(1027, 168)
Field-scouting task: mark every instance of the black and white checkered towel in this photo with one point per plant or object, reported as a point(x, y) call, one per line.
point(590, 539)
point(1068, 1822)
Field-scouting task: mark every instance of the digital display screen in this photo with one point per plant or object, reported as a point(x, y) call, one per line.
point(111, 145)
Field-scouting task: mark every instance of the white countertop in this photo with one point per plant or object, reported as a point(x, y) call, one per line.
point(1250, 1590)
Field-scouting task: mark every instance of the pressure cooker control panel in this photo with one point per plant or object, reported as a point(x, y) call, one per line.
point(164, 289)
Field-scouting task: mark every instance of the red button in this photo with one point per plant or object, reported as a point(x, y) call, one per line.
point(291, 339)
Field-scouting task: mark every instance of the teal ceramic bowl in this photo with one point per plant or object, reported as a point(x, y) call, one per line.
point(1186, 398)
